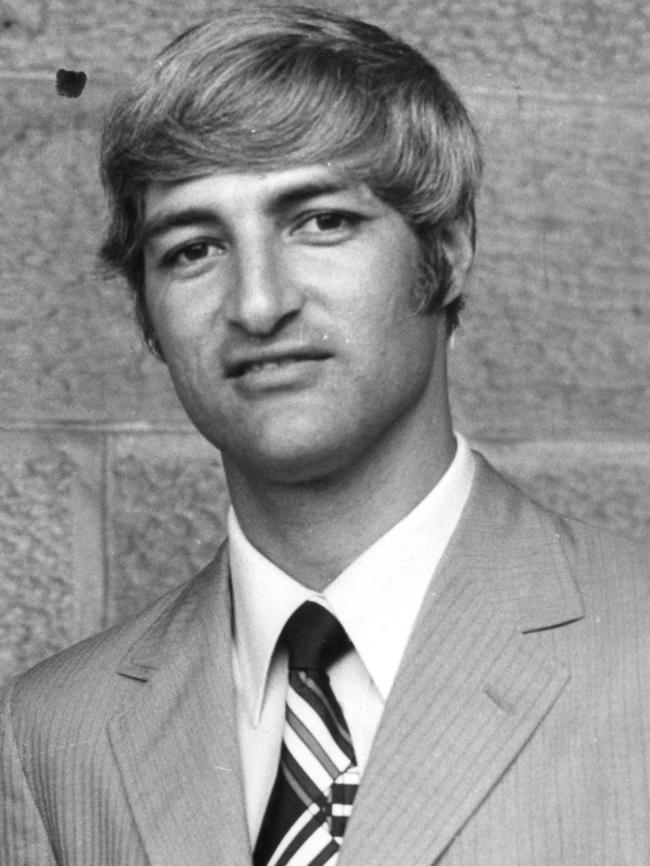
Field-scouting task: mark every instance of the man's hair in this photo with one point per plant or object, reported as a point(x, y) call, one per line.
point(273, 87)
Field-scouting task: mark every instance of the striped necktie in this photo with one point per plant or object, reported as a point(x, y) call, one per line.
point(317, 777)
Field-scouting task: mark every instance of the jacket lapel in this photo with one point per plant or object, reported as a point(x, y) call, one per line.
point(472, 687)
point(175, 737)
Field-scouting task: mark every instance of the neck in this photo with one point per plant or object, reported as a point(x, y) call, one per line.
point(313, 530)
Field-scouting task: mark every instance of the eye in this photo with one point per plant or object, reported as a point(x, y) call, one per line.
point(189, 254)
point(329, 221)
point(193, 252)
point(332, 225)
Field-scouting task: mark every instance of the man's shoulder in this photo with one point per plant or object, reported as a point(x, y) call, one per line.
point(602, 562)
point(77, 674)
point(67, 700)
point(84, 675)
point(102, 652)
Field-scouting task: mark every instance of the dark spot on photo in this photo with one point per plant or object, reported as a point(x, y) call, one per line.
point(70, 83)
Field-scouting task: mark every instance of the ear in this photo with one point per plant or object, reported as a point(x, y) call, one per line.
point(457, 242)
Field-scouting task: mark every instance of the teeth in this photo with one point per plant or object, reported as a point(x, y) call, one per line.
point(267, 365)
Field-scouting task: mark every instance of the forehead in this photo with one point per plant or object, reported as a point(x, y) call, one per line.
point(258, 190)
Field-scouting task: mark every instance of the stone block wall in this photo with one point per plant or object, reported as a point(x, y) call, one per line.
point(109, 496)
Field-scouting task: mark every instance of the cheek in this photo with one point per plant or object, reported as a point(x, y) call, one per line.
point(177, 323)
point(394, 349)
point(178, 306)
point(387, 313)
point(184, 350)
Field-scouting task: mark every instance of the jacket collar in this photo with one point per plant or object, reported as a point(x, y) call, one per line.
point(474, 683)
point(175, 738)
point(521, 551)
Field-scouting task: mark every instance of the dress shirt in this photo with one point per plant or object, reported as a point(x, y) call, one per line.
point(376, 598)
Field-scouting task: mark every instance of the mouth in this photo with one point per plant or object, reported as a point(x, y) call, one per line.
point(258, 364)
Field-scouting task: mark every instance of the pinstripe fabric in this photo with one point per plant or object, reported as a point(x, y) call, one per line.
point(138, 766)
point(517, 731)
point(530, 620)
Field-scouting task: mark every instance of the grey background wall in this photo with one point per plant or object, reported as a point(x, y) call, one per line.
point(107, 496)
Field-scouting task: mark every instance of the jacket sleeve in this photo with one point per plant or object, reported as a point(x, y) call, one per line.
point(23, 838)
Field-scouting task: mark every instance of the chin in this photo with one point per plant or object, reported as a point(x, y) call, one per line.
point(287, 463)
point(290, 468)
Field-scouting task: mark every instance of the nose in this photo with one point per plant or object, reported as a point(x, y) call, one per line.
point(263, 296)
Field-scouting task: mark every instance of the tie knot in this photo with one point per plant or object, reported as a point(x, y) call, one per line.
point(314, 637)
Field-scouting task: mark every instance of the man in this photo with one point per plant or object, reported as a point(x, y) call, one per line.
point(293, 205)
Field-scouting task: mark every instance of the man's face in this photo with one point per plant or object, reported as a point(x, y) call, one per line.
point(283, 303)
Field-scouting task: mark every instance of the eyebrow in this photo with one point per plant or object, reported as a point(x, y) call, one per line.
point(308, 190)
point(166, 221)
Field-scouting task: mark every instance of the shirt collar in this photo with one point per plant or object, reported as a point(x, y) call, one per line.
point(376, 598)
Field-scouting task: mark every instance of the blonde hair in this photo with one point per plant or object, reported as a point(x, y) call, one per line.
point(278, 86)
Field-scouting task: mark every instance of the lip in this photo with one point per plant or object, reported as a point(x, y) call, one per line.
point(240, 364)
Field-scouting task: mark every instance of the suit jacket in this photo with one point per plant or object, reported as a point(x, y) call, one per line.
point(517, 730)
